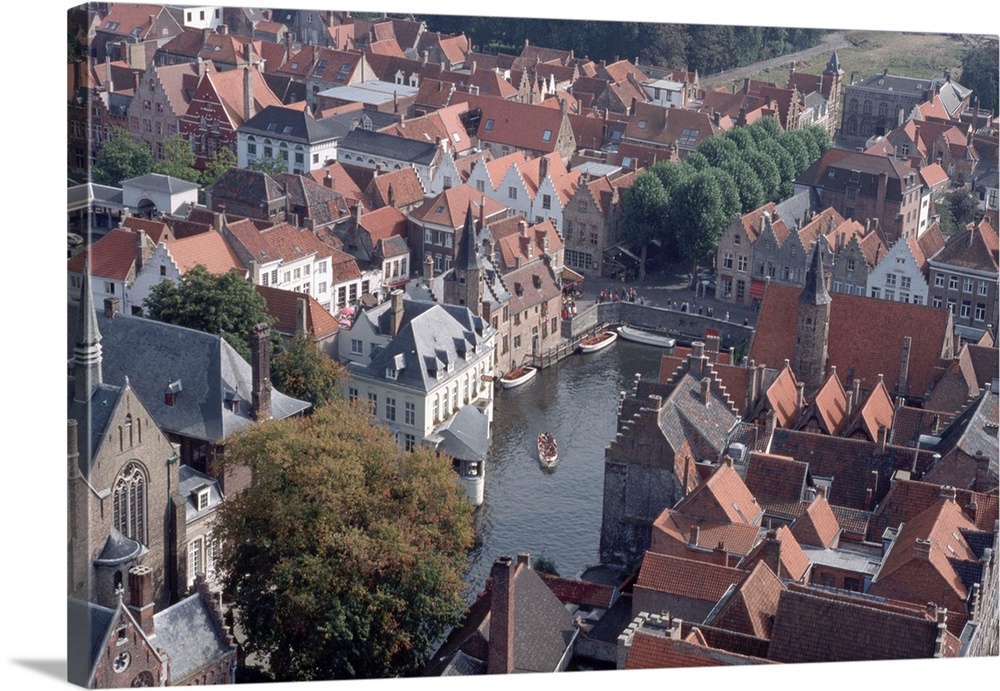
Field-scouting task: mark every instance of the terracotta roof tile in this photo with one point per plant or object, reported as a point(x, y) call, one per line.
point(158, 231)
point(792, 561)
point(283, 306)
point(686, 577)
point(656, 651)
point(771, 477)
point(341, 182)
point(817, 526)
point(750, 609)
point(865, 336)
point(293, 243)
point(909, 498)
point(723, 498)
point(448, 208)
point(113, 256)
point(246, 234)
point(209, 249)
point(978, 253)
point(909, 423)
point(402, 187)
point(384, 223)
point(519, 125)
point(783, 398)
point(811, 625)
point(877, 411)
point(672, 534)
point(830, 405)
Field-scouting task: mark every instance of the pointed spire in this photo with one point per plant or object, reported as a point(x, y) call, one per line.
point(815, 292)
point(833, 65)
point(87, 351)
point(466, 259)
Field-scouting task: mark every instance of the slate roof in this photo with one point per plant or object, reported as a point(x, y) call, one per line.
point(865, 337)
point(464, 435)
point(153, 354)
point(842, 163)
point(974, 433)
point(430, 336)
point(389, 146)
point(289, 124)
point(687, 578)
point(850, 462)
point(89, 624)
point(320, 204)
point(112, 257)
point(251, 186)
point(190, 635)
point(814, 626)
point(191, 480)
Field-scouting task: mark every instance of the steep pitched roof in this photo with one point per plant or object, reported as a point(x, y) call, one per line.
point(750, 609)
point(771, 477)
point(688, 578)
point(658, 651)
point(209, 249)
point(674, 533)
point(968, 446)
point(814, 626)
point(384, 223)
point(783, 397)
point(975, 247)
point(830, 405)
point(877, 411)
point(723, 497)
point(909, 498)
point(341, 182)
point(791, 562)
point(865, 336)
point(396, 188)
point(283, 306)
point(228, 87)
point(520, 125)
point(967, 376)
point(113, 256)
point(448, 208)
point(192, 635)
point(817, 526)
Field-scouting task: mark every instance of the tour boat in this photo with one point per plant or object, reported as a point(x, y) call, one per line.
point(648, 337)
point(548, 452)
point(517, 377)
point(598, 341)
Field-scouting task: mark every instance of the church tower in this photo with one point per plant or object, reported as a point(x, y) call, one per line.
point(87, 349)
point(831, 87)
point(813, 326)
point(465, 286)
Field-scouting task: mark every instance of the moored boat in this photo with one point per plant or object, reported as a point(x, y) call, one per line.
point(630, 333)
point(548, 451)
point(517, 377)
point(598, 341)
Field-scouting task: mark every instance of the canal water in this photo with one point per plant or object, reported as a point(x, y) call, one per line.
point(554, 513)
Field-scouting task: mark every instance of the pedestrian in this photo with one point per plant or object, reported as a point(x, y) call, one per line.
point(746, 321)
point(711, 311)
point(727, 316)
point(701, 310)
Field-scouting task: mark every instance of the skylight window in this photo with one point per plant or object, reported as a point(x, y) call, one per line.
point(642, 124)
point(136, 31)
point(321, 64)
point(286, 129)
point(294, 65)
point(271, 126)
point(111, 26)
point(546, 135)
point(688, 137)
point(489, 125)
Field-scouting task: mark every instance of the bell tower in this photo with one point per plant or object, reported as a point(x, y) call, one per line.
point(813, 326)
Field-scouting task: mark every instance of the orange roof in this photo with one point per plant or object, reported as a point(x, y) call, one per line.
point(865, 335)
point(113, 256)
point(384, 223)
point(751, 221)
point(751, 608)
point(448, 208)
point(830, 405)
point(818, 526)
point(876, 411)
point(792, 561)
point(283, 306)
point(909, 498)
point(443, 124)
point(933, 174)
point(228, 86)
point(292, 243)
point(934, 108)
point(209, 249)
point(519, 125)
point(783, 397)
point(341, 182)
point(400, 187)
point(672, 534)
point(686, 577)
point(158, 231)
point(723, 497)
point(656, 651)
point(776, 478)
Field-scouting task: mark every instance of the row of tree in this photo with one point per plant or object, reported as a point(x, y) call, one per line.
point(686, 206)
point(707, 48)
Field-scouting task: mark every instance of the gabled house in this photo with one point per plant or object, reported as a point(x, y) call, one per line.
point(508, 126)
point(222, 102)
point(963, 279)
point(290, 136)
point(247, 193)
point(161, 99)
point(592, 218)
point(968, 447)
point(131, 32)
point(972, 372)
point(377, 241)
point(663, 129)
point(312, 205)
point(297, 315)
point(663, 431)
point(436, 226)
point(400, 189)
point(324, 68)
point(225, 50)
point(113, 263)
point(687, 588)
point(539, 188)
point(903, 273)
point(375, 151)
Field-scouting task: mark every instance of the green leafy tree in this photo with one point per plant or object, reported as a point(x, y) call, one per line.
point(543, 564)
point(767, 170)
point(645, 204)
point(702, 217)
point(770, 125)
point(963, 207)
point(178, 159)
point(980, 71)
point(799, 152)
point(224, 304)
point(219, 163)
point(820, 136)
point(121, 158)
point(742, 138)
point(718, 150)
point(300, 370)
point(784, 163)
point(748, 185)
point(344, 558)
point(809, 142)
point(696, 161)
point(271, 166)
point(727, 187)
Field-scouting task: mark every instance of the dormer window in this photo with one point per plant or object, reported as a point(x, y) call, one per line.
point(173, 389)
point(202, 498)
point(546, 135)
point(390, 373)
point(642, 124)
point(489, 125)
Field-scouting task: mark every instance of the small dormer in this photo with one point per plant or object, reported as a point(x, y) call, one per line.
point(202, 496)
point(172, 391)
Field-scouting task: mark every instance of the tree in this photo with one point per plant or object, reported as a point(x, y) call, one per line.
point(219, 163)
point(799, 152)
point(271, 166)
point(645, 215)
point(718, 150)
point(742, 138)
point(344, 558)
point(980, 71)
point(178, 159)
point(121, 158)
point(748, 185)
point(820, 136)
point(767, 170)
point(963, 207)
point(224, 304)
point(785, 164)
point(701, 206)
point(301, 371)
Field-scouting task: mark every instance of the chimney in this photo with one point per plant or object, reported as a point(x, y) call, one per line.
point(140, 236)
point(543, 168)
point(140, 597)
point(922, 548)
point(695, 534)
point(706, 390)
point(500, 659)
point(712, 347)
point(948, 492)
point(109, 82)
point(857, 392)
point(110, 308)
point(428, 268)
point(248, 107)
point(523, 559)
point(328, 179)
point(301, 317)
point(260, 356)
point(904, 367)
point(802, 396)
point(396, 312)
point(222, 29)
point(772, 552)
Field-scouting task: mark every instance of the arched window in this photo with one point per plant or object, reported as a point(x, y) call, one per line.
point(129, 502)
point(852, 126)
point(883, 109)
point(868, 107)
point(128, 430)
point(854, 105)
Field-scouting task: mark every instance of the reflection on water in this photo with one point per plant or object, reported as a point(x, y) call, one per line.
point(555, 513)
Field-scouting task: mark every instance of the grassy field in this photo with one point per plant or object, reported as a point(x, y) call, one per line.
point(903, 54)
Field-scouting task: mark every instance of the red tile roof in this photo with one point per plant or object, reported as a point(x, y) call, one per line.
point(751, 608)
point(341, 182)
point(283, 306)
point(519, 125)
point(209, 249)
point(686, 577)
point(933, 174)
point(672, 534)
point(876, 411)
point(830, 405)
point(979, 252)
point(783, 397)
point(448, 208)
point(112, 257)
point(655, 651)
point(384, 223)
point(792, 562)
point(865, 336)
point(909, 498)
point(776, 478)
point(292, 243)
point(158, 231)
point(402, 186)
point(723, 498)
point(817, 526)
